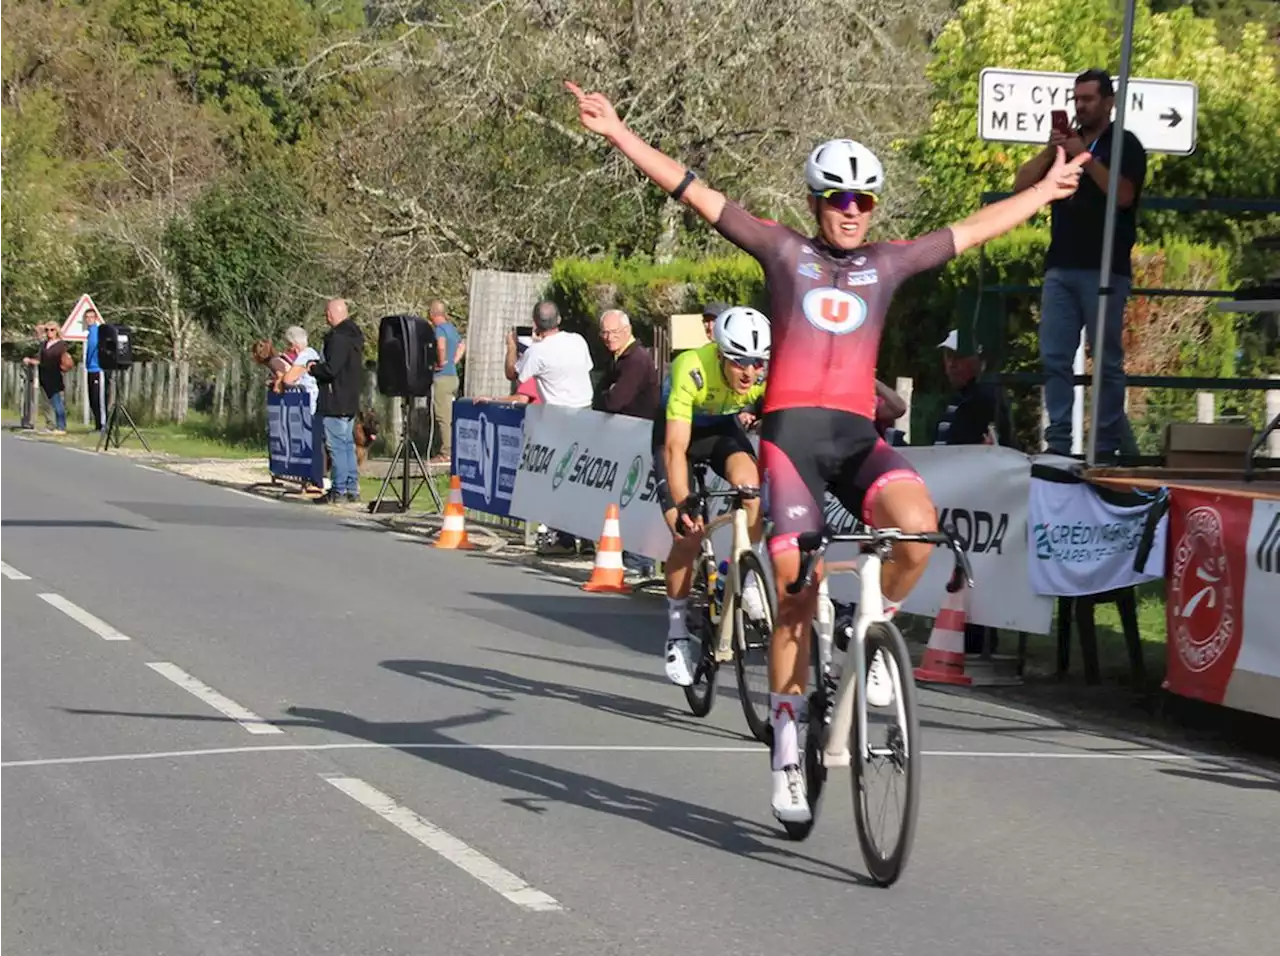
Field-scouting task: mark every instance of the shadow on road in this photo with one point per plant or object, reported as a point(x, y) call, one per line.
point(545, 786)
point(67, 523)
point(1224, 776)
point(504, 686)
point(619, 622)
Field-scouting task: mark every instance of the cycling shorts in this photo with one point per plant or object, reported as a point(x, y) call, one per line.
point(806, 452)
point(712, 443)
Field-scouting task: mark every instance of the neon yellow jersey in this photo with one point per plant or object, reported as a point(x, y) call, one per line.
point(696, 391)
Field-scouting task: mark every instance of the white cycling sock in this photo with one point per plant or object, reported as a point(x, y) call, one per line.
point(675, 618)
point(891, 608)
point(786, 712)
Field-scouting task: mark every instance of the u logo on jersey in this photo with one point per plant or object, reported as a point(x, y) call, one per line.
point(834, 310)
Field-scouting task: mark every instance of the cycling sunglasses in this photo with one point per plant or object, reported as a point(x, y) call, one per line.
point(842, 199)
point(746, 362)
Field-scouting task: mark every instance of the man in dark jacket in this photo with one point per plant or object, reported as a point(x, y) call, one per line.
point(977, 412)
point(339, 377)
point(630, 383)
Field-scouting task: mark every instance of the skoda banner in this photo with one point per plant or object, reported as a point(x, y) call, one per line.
point(487, 439)
point(576, 462)
point(295, 438)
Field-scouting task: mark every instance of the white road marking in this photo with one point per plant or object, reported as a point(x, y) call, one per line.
point(158, 471)
point(1154, 755)
point(244, 494)
point(12, 573)
point(450, 847)
point(80, 615)
point(241, 715)
point(81, 451)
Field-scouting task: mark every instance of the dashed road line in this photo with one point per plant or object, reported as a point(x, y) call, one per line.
point(81, 616)
point(12, 573)
point(241, 715)
point(465, 857)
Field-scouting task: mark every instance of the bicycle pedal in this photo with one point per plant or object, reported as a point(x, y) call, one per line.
point(835, 760)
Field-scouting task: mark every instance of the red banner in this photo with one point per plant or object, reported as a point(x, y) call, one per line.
point(1208, 535)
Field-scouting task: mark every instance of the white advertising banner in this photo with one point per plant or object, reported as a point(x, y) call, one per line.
point(1255, 681)
point(1082, 544)
point(576, 461)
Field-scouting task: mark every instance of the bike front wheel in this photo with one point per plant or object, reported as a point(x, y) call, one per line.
point(889, 761)
point(752, 632)
point(701, 694)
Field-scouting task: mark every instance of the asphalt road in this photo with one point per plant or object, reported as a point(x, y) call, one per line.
point(432, 752)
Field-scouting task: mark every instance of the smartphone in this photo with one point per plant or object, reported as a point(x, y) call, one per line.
point(1060, 122)
point(524, 338)
point(524, 331)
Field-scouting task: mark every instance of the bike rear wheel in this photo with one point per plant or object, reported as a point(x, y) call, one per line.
point(751, 637)
point(886, 827)
point(701, 694)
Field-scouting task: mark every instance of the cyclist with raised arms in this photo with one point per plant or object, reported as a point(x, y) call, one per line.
point(829, 295)
point(713, 391)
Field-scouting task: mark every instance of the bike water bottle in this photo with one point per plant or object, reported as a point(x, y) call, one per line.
point(720, 573)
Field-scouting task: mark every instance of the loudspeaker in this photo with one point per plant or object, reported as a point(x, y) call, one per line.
point(406, 356)
point(115, 351)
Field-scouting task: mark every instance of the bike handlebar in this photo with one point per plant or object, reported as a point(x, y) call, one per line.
point(813, 544)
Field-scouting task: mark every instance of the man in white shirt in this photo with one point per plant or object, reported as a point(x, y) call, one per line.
point(559, 362)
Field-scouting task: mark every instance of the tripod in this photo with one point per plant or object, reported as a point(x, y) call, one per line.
point(404, 498)
point(113, 419)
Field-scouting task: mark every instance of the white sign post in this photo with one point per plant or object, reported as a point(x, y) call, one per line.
point(1014, 107)
point(74, 330)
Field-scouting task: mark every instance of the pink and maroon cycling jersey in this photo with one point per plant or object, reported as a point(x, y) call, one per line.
point(827, 309)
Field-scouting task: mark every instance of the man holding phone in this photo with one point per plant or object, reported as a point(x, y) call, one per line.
point(1073, 271)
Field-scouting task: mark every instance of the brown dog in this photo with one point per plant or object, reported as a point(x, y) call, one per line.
point(366, 432)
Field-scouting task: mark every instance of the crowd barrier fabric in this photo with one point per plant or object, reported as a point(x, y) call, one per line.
point(295, 437)
point(575, 462)
point(1223, 600)
point(487, 441)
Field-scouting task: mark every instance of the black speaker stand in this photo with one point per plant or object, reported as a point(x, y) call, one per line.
point(113, 419)
point(404, 498)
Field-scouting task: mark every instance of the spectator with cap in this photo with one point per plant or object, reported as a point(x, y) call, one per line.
point(630, 383)
point(559, 361)
point(975, 410)
point(710, 312)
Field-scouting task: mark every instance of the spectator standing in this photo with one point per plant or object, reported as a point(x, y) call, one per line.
point(560, 364)
point(54, 360)
point(93, 369)
point(450, 347)
point(1069, 300)
point(630, 384)
point(558, 361)
point(975, 409)
point(339, 376)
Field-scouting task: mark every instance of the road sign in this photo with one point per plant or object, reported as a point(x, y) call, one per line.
point(74, 329)
point(1014, 107)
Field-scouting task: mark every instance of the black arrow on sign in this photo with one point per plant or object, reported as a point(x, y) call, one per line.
point(1173, 116)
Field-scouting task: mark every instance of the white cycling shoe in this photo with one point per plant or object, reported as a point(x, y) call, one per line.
point(753, 601)
point(879, 682)
point(679, 666)
point(790, 795)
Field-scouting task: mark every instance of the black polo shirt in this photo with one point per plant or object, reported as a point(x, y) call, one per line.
point(1076, 229)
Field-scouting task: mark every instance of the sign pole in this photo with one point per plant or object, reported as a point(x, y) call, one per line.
point(1109, 232)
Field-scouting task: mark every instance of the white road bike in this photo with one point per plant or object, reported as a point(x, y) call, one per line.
point(841, 726)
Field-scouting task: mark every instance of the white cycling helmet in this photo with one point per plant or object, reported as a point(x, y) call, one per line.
point(843, 164)
point(742, 332)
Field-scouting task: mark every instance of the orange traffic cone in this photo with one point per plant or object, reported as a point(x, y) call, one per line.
point(608, 571)
point(944, 657)
point(454, 533)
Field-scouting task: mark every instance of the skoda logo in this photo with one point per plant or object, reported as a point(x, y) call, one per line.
point(632, 481)
point(562, 466)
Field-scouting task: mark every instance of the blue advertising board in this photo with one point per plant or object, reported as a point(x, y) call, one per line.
point(295, 438)
point(487, 441)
